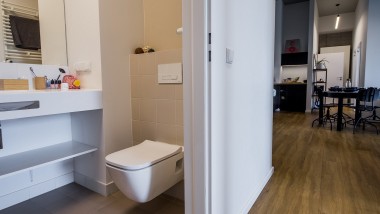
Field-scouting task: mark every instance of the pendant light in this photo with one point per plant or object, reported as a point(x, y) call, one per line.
point(337, 17)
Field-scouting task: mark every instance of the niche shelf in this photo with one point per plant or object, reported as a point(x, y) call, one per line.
point(43, 156)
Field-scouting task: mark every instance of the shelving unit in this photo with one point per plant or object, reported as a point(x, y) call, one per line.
point(39, 143)
point(317, 83)
point(39, 157)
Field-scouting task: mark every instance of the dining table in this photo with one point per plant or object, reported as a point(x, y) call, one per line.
point(340, 95)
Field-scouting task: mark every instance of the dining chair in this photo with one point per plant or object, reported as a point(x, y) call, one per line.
point(375, 117)
point(366, 99)
point(326, 109)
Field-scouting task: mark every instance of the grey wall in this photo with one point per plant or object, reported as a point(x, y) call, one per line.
point(372, 69)
point(278, 40)
point(296, 24)
point(335, 39)
point(360, 36)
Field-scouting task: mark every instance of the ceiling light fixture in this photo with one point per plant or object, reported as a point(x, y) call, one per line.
point(337, 17)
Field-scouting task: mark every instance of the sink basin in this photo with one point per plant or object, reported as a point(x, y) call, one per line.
point(13, 106)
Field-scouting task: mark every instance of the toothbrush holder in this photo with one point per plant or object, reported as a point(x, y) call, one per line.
point(39, 83)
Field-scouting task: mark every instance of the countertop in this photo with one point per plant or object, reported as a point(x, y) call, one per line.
point(51, 102)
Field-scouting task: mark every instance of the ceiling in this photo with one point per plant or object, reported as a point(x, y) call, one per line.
point(327, 7)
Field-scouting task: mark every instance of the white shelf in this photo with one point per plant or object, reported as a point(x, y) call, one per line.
point(39, 157)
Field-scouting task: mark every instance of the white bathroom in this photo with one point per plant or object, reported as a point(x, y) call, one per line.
point(119, 103)
point(109, 131)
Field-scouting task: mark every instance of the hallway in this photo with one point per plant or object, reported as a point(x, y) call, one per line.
point(321, 171)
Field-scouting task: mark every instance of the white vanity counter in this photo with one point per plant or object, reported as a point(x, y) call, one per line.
point(40, 144)
point(51, 102)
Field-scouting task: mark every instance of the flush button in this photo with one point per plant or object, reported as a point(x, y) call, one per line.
point(170, 73)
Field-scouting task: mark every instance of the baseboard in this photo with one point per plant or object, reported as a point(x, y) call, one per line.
point(94, 185)
point(35, 190)
point(258, 191)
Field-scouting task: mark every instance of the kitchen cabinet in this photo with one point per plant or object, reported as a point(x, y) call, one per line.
point(293, 97)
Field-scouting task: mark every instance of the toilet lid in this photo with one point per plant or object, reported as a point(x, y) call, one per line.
point(142, 155)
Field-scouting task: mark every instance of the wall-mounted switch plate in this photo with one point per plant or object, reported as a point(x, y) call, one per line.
point(229, 56)
point(84, 66)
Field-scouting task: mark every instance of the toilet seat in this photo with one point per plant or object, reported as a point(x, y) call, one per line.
point(142, 155)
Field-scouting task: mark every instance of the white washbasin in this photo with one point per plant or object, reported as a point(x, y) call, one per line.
point(13, 106)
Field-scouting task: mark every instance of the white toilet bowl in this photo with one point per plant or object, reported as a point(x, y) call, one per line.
point(144, 171)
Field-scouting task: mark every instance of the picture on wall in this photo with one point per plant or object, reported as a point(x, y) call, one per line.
point(292, 46)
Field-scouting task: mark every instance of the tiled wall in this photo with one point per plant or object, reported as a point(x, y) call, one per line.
point(156, 108)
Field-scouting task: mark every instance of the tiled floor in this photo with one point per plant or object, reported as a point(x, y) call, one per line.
point(73, 198)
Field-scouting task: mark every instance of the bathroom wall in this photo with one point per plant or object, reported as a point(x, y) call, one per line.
point(83, 39)
point(238, 106)
point(53, 32)
point(104, 34)
point(161, 20)
point(156, 108)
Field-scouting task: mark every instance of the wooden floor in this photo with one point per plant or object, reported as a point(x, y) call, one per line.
point(75, 199)
point(321, 171)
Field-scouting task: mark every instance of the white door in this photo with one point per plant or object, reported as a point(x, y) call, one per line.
point(228, 103)
point(347, 57)
point(335, 69)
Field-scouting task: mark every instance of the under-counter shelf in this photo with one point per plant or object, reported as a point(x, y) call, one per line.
point(39, 157)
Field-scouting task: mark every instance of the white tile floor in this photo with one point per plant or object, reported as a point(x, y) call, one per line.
point(73, 198)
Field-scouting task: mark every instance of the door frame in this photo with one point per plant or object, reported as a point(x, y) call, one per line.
point(196, 106)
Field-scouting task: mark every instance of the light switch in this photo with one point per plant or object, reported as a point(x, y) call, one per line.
point(83, 66)
point(170, 73)
point(229, 56)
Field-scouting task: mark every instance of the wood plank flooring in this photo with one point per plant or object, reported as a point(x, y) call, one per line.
point(321, 171)
point(75, 199)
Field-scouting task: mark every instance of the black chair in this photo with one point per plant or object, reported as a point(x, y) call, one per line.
point(366, 98)
point(326, 108)
point(375, 117)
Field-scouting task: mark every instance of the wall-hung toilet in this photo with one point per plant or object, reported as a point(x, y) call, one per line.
point(146, 170)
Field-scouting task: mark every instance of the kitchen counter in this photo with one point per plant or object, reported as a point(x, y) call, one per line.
point(290, 83)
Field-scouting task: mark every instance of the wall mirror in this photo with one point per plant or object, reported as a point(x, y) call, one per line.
point(51, 19)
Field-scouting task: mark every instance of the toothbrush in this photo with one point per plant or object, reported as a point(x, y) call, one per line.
point(62, 71)
point(31, 69)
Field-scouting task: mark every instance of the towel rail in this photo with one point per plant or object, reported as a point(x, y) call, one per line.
point(11, 52)
point(17, 8)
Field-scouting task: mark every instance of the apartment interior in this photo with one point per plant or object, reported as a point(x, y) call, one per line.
point(320, 169)
point(120, 104)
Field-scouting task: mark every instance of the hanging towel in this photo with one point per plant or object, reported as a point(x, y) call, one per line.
point(25, 32)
